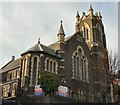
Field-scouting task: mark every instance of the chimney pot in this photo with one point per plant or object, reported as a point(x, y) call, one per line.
point(13, 58)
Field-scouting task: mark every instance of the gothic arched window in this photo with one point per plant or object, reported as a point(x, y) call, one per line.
point(77, 73)
point(34, 72)
point(54, 67)
point(47, 65)
point(87, 36)
point(51, 65)
point(74, 60)
point(86, 30)
point(80, 69)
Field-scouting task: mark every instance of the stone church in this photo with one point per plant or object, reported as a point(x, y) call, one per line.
point(81, 60)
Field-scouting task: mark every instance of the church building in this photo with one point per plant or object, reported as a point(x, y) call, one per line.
point(81, 60)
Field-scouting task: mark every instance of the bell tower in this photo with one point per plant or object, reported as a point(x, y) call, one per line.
point(92, 28)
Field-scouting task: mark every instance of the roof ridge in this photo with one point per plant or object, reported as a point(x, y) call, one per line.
point(39, 45)
point(6, 64)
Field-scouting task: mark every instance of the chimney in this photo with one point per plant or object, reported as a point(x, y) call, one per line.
point(13, 58)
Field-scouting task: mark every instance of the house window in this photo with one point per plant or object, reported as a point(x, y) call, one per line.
point(14, 89)
point(5, 91)
point(34, 75)
point(18, 73)
point(10, 75)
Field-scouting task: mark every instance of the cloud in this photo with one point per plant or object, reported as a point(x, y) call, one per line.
point(24, 22)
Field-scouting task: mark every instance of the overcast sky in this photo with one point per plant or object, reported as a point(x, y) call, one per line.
point(24, 22)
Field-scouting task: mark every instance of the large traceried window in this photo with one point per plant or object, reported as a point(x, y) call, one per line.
point(80, 65)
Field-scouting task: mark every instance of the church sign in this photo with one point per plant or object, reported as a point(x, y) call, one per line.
point(38, 91)
point(63, 91)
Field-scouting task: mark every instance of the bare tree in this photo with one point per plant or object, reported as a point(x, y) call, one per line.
point(113, 62)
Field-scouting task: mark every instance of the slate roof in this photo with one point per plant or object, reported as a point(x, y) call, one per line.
point(55, 45)
point(11, 65)
point(42, 48)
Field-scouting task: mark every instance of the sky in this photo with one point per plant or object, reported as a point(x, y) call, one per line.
point(22, 23)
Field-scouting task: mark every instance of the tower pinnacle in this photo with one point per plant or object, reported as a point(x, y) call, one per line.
point(61, 30)
point(100, 15)
point(91, 10)
point(77, 17)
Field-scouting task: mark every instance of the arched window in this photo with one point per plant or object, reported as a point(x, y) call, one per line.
point(84, 32)
point(34, 72)
point(10, 75)
point(24, 68)
point(79, 65)
point(18, 73)
point(51, 66)
point(54, 67)
point(77, 73)
point(82, 67)
point(14, 89)
point(23, 72)
point(4, 91)
point(47, 68)
point(74, 66)
point(87, 36)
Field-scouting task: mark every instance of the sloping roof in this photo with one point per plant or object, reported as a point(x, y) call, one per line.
point(41, 48)
point(55, 45)
point(11, 65)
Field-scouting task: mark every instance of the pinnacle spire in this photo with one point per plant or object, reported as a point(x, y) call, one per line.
point(77, 14)
point(77, 17)
point(91, 9)
point(38, 40)
point(100, 15)
point(61, 30)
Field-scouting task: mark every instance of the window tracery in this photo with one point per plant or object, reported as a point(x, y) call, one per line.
point(80, 65)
